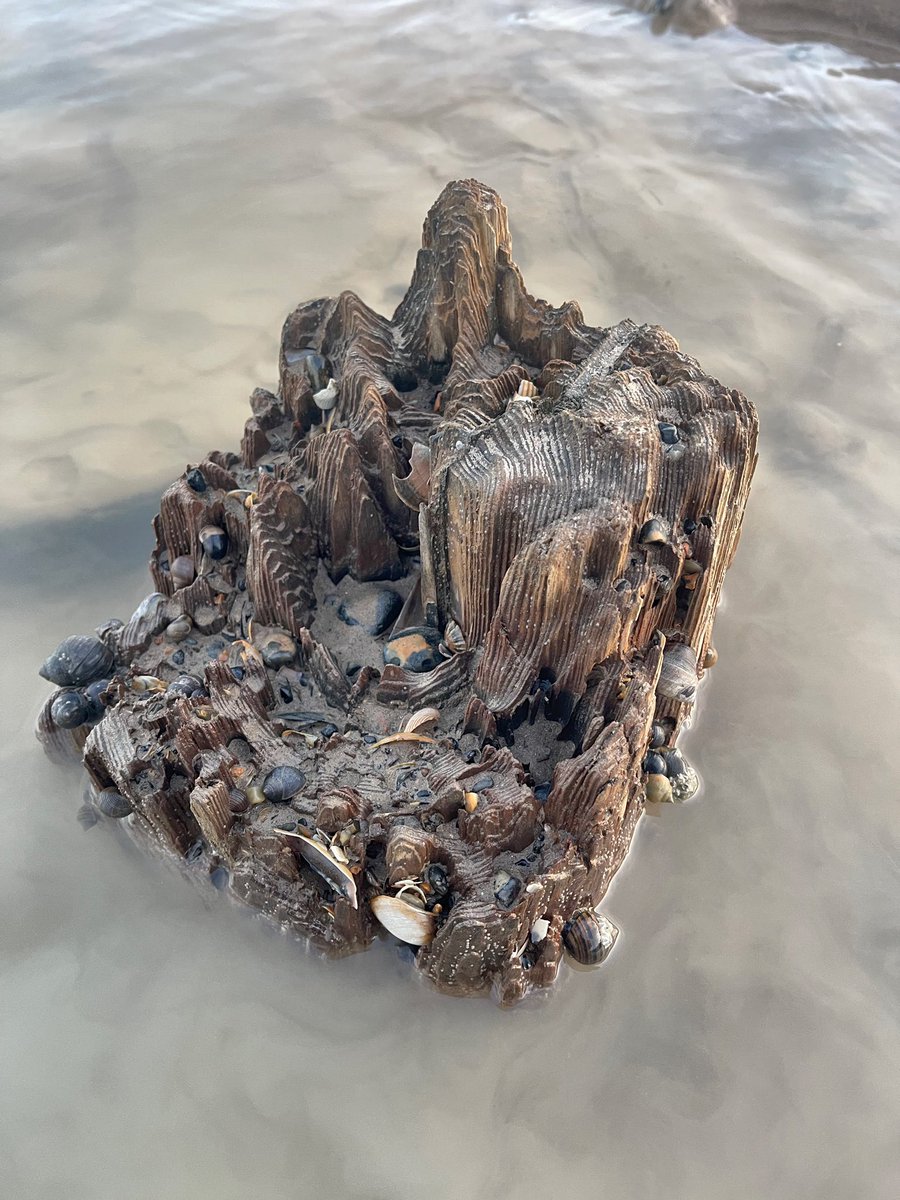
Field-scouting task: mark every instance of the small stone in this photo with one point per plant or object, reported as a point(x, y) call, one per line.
point(668, 433)
point(372, 607)
point(414, 649)
point(369, 738)
point(195, 479)
point(177, 658)
point(329, 730)
point(219, 878)
point(506, 888)
point(481, 783)
point(284, 691)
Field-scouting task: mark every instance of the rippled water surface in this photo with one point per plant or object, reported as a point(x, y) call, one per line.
point(175, 178)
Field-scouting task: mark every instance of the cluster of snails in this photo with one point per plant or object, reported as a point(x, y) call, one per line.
point(82, 666)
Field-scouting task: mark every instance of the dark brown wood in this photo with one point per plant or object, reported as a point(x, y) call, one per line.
point(494, 461)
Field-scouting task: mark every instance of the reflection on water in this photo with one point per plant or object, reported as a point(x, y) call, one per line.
point(175, 178)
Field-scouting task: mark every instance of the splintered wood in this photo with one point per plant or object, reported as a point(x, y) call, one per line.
point(481, 506)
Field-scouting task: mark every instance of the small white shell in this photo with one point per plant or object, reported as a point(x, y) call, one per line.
point(531, 888)
point(454, 638)
point(540, 929)
point(327, 398)
point(421, 719)
point(411, 925)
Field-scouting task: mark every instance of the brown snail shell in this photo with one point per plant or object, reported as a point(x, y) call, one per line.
point(589, 938)
point(678, 675)
point(412, 925)
point(182, 571)
point(711, 657)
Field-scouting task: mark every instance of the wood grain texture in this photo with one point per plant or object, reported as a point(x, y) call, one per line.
point(498, 461)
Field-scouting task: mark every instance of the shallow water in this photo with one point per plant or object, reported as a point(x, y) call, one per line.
point(175, 177)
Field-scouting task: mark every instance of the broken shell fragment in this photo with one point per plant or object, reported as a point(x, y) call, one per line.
point(658, 790)
point(526, 388)
point(324, 863)
point(148, 683)
point(283, 784)
point(112, 804)
point(214, 541)
point(652, 533)
point(326, 399)
point(588, 937)
point(539, 930)
point(411, 925)
point(78, 660)
point(711, 657)
point(403, 737)
point(256, 795)
point(678, 675)
point(413, 488)
point(453, 638)
point(422, 719)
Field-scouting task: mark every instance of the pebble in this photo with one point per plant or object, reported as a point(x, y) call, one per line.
point(481, 783)
point(668, 433)
point(219, 878)
point(329, 730)
point(196, 480)
point(414, 649)
point(374, 609)
point(506, 888)
point(177, 658)
point(369, 738)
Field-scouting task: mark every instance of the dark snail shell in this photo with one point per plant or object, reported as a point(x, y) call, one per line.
point(589, 938)
point(283, 784)
point(655, 764)
point(69, 710)
point(78, 660)
point(186, 685)
point(112, 804)
point(214, 541)
point(96, 697)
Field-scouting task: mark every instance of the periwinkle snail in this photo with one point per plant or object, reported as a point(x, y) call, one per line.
point(69, 710)
point(588, 938)
point(214, 541)
point(283, 784)
point(78, 660)
point(182, 571)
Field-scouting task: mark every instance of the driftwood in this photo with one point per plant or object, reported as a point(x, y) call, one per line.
point(549, 508)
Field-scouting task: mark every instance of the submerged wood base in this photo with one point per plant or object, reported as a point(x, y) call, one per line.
point(494, 511)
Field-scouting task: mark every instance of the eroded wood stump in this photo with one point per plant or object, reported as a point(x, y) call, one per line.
point(495, 510)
